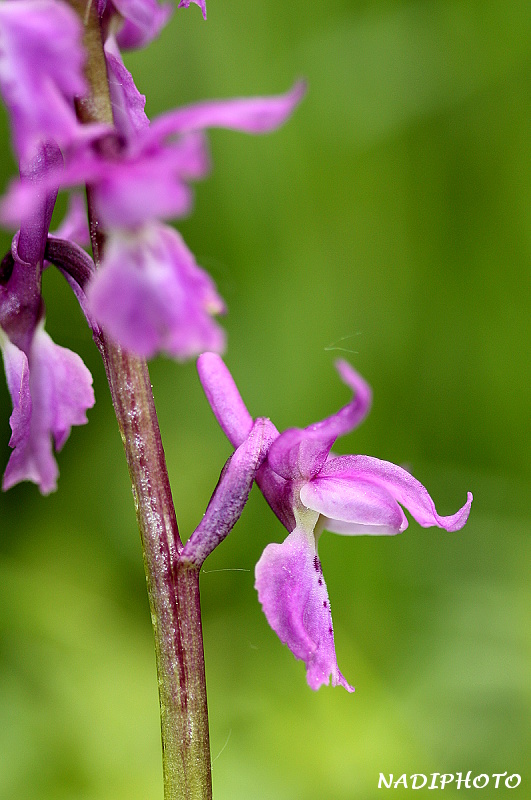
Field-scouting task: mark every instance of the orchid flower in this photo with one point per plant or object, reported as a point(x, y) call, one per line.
point(310, 489)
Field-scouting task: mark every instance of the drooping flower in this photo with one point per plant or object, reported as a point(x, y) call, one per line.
point(151, 296)
point(310, 489)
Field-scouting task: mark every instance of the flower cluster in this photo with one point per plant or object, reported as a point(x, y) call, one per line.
point(310, 490)
point(148, 293)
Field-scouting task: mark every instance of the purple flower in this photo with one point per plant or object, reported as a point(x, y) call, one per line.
point(151, 296)
point(310, 489)
point(41, 70)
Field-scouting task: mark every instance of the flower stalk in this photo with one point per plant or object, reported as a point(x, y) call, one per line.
point(173, 585)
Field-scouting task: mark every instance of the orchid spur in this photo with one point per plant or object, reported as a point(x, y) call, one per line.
point(310, 489)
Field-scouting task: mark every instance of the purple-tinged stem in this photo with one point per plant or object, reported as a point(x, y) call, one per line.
point(173, 585)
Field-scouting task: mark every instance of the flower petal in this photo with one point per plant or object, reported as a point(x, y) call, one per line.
point(17, 375)
point(278, 492)
point(200, 3)
point(248, 114)
point(74, 225)
point(351, 415)
point(294, 598)
point(399, 484)
point(127, 102)
point(224, 398)
point(143, 21)
point(151, 296)
point(62, 384)
point(353, 506)
point(299, 453)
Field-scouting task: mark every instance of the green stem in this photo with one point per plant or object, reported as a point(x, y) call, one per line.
point(173, 586)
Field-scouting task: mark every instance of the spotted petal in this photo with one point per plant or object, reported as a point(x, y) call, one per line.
point(294, 598)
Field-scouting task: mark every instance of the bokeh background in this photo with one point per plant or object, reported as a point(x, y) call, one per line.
point(388, 223)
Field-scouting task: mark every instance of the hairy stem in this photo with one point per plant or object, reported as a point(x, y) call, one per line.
point(173, 586)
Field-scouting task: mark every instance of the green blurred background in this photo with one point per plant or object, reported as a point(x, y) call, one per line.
point(388, 222)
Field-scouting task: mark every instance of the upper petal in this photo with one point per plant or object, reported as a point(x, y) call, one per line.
point(299, 453)
point(247, 114)
point(127, 102)
point(406, 489)
point(278, 492)
point(294, 598)
point(224, 398)
point(351, 415)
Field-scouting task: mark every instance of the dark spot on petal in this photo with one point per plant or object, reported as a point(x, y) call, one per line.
point(325, 604)
point(330, 631)
point(6, 268)
point(317, 564)
point(320, 581)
